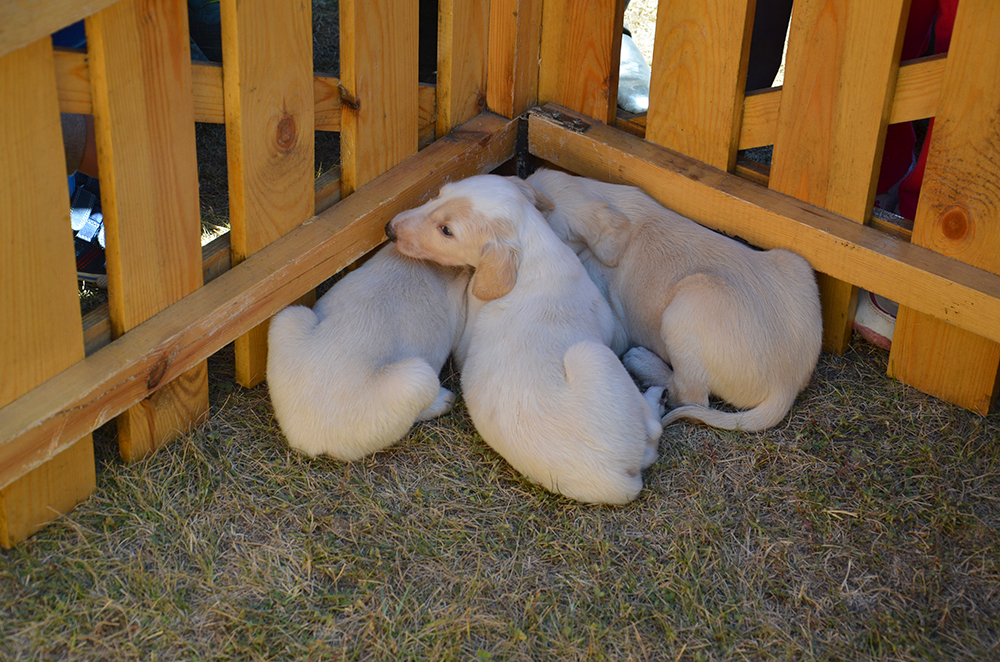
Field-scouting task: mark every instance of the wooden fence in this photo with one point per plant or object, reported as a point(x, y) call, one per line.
point(515, 78)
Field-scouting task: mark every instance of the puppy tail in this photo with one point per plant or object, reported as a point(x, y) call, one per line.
point(766, 415)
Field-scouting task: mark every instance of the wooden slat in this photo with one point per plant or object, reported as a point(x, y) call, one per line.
point(270, 104)
point(580, 53)
point(918, 89)
point(24, 22)
point(144, 121)
point(461, 72)
point(39, 334)
point(946, 288)
point(512, 69)
point(842, 62)
point(378, 71)
point(696, 90)
point(41, 423)
point(958, 213)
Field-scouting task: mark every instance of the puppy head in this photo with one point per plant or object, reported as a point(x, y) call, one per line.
point(472, 222)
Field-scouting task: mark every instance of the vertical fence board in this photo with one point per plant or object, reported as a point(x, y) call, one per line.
point(378, 71)
point(959, 213)
point(514, 41)
point(144, 118)
point(840, 73)
point(40, 331)
point(270, 118)
point(696, 91)
point(580, 53)
point(461, 75)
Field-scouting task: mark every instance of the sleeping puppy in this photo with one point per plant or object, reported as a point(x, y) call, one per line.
point(542, 386)
point(352, 375)
point(742, 324)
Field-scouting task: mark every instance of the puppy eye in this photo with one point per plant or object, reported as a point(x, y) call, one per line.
point(446, 231)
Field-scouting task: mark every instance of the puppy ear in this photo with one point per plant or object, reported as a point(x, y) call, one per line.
point(606, 231)
point(497, 271)
point(540, 201)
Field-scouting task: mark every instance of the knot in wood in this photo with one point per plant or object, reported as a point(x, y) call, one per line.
point(157, 372)
point(285, 135)
point(955, 223)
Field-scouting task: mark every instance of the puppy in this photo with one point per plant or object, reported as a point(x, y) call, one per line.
point(352, 375)
point(542, 386)
point(742, 324)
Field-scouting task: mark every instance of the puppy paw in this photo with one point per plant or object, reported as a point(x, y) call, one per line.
point(442, 405)
point(647, 367)
point(655, 396)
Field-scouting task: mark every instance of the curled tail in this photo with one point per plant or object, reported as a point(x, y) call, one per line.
point(765, 415)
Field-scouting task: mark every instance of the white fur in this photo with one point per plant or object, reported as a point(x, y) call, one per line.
point(542, 386)
point(742, 324)
point(352, 375)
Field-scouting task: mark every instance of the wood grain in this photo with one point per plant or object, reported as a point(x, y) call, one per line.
point(378, 70)
point(462, 51)
point(842, 62)
point(39, 332)
point(512, 68)
point(957, 213)
point(696, 90)
point(270, 105)
point(144, 121)
point(22, 23)
point(44, 421)
point(580, 53)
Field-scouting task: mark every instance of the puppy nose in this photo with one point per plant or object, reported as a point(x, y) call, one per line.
point(388, 231)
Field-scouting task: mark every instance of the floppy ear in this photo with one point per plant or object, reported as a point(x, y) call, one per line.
point(606, 231)
point(540, 201)
point(497, 271)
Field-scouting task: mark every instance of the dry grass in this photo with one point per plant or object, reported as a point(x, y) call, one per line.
point(864, 527)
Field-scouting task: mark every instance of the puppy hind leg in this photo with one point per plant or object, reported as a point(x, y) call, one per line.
point(648, 368)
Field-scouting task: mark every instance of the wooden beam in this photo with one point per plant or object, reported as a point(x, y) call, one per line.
point(39, 335)
point(580, 54)
point(917, 92)
point(270, 105)
point(144, 125)
point(73, 80)
point(512, 69)
point(378, 70)
point(937, 285)
point(957, 214)
point(696, 91)
point(462, 51)
point(831, 126)
point(46, 420)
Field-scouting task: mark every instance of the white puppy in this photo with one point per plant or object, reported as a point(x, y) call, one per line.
point(542, 386)
point(352, 375)
point(742, 324)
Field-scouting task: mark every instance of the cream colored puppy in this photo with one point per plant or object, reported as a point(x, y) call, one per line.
point(742, 324)
point(352, 375)
point(542, 386)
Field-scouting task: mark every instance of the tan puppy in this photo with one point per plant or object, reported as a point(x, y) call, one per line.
point(352, 375)
point(742, 324)
point(542, 386)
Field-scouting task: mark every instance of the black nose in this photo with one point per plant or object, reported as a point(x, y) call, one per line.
point(388, 231)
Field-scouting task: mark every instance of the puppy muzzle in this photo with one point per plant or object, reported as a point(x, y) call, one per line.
point(389, 232)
